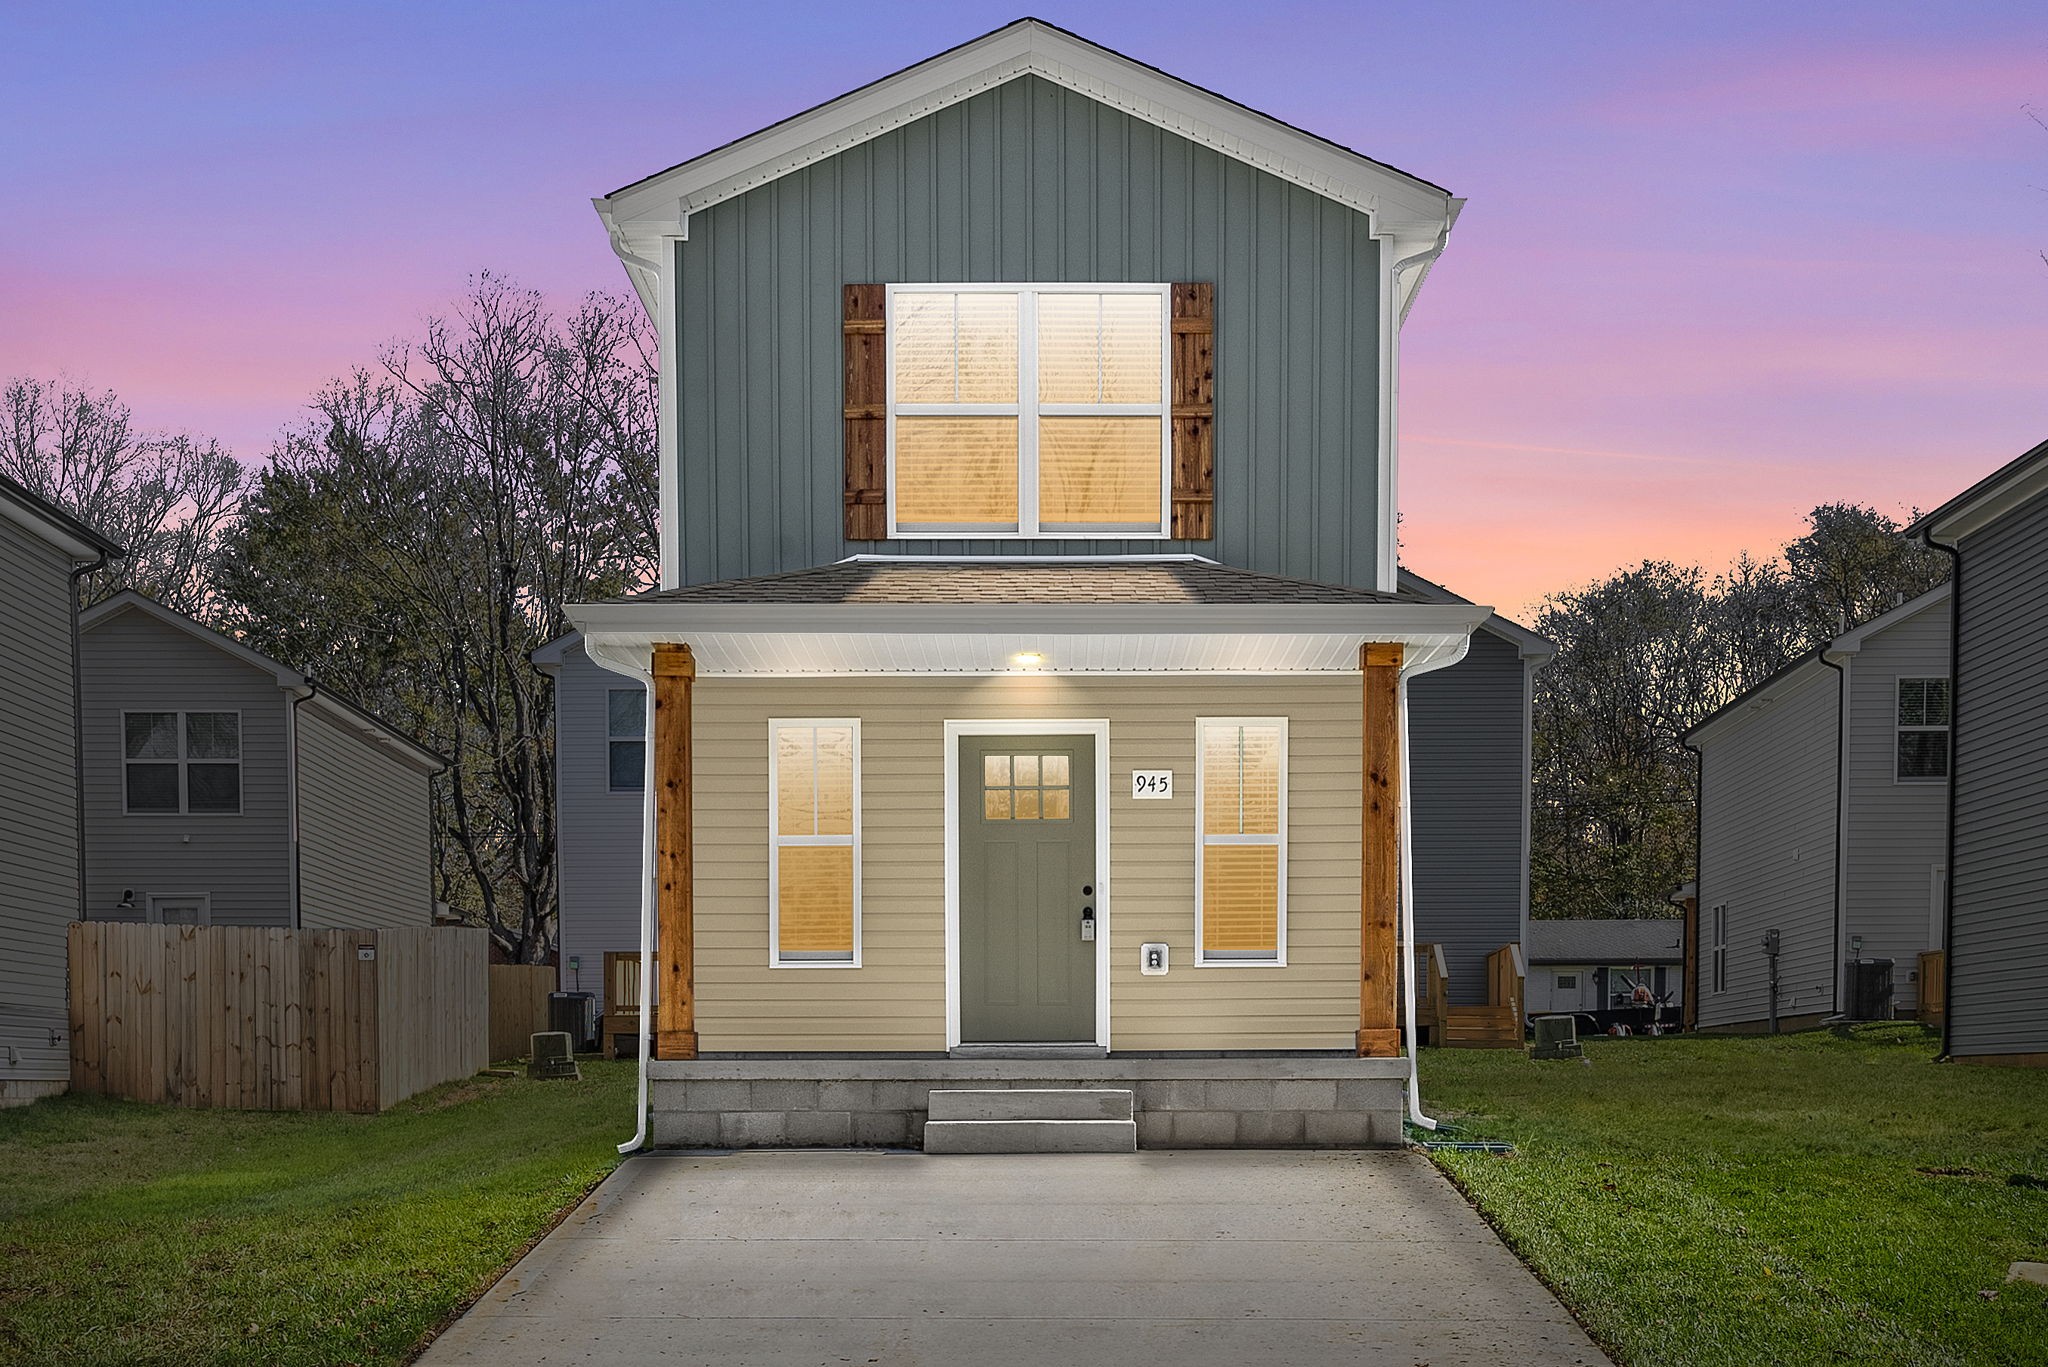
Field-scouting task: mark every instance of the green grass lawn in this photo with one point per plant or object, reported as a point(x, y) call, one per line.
point(147, 1234)
point(1814, 1198)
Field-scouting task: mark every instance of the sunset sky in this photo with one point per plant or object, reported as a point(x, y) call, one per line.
point(1720, 262)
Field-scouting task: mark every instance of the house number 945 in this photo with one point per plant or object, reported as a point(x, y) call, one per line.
point(1153, 783)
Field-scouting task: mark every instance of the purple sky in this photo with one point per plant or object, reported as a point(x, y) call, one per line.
point(1720, 262)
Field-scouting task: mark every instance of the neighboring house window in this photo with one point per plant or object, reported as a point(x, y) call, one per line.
point(626, 738)
point(182, 762)
point(1028, 410)
point(1241, 835)
point(814, 843)
point(185, 909)
point(1568, 981)
point(1720, 915)
point(1923, 730)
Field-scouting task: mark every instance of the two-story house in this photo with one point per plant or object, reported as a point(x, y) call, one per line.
point(225, 788)
point(1029, 673)
point(1996, 532)
point(43, 550)
point(1823, 826)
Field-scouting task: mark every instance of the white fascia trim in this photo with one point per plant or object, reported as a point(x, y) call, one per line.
point(42, 528)
point(550, 658)
point(1097, 728)
point(1763, 700)
point(1850, 643)
point(1400, 206)
point(1988, 500)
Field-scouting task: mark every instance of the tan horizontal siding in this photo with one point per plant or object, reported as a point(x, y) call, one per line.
point(896, 999)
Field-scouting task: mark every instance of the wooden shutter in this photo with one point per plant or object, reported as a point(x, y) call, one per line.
point(867, 498)
point(1194, 412)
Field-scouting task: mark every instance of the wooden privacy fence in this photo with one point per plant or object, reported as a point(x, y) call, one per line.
point(519, 1006)
point(278, 1020)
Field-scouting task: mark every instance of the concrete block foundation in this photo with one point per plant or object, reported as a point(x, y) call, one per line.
point(1205, 1102)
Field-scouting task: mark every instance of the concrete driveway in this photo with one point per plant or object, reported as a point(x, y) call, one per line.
point(1197, 1259)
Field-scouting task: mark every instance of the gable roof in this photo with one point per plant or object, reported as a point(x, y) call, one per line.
point(80, 541)
point(1526, 642)
point(1761, 696)
point(1405, 208)
point(304, 689)
point(1652, 941)
point(1990, 498)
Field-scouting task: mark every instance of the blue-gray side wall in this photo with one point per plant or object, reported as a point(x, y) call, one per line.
point(599, 829)
point(1028, 182)
point(1468, 741)
point(1998, 937)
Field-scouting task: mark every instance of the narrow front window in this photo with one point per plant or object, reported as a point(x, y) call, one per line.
point(814, 845)
point(1241, 826)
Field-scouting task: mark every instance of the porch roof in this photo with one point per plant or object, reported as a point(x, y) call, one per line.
point(911, 615)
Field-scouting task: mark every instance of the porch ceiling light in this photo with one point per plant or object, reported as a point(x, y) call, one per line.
point(1027, 659)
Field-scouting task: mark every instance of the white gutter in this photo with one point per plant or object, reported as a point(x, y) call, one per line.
point(1407, 931)
point(629, 663)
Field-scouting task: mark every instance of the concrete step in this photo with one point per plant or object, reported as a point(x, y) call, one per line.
point(1024, 1103)
point(1030, 1136)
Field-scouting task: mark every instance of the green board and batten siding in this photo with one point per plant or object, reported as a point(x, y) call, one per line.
point(1028, 182)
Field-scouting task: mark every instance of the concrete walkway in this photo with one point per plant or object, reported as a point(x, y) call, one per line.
point(1198, 1259)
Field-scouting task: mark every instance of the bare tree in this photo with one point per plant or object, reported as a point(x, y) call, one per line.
point(169, 499)
point(418, 540)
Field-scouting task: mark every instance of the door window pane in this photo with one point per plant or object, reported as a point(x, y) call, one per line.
point(1032, 787)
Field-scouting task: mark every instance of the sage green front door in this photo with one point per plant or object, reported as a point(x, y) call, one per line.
point(1027, 886)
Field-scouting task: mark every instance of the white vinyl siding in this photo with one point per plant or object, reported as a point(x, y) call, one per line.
point(1241, 840)
point(814, 842)
point(1029, 410)
point(365, 831)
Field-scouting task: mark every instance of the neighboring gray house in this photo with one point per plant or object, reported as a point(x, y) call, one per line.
point(1598, 965)
point(222, 788)
point(1469, 727)
point(1997, 531)
point(42, 548)
point(1823, 799)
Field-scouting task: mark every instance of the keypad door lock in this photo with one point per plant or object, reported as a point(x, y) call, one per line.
point(1087, 925)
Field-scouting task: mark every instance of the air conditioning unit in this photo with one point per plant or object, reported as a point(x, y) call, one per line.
point(575, 1015)
point(1556, 1037)
point(1870, 989)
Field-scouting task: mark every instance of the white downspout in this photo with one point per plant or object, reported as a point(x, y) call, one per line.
point(1415, 1115)
point(633, 670)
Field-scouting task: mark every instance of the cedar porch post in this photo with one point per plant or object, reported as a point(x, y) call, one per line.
point(1379, 856)
point(675, 1019)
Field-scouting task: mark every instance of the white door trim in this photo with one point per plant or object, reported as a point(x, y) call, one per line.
point(1099, 729)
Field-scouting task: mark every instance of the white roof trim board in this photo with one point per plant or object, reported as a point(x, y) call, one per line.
point(801, 639)
point(1851, 642)
point(2017, 482)
point(1404, 208)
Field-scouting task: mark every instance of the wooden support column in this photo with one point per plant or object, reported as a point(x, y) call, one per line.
point(675, 1018)
point(1379, 854)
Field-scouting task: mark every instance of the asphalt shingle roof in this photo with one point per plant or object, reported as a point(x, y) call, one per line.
point(1054, 581)
point(1606, 942)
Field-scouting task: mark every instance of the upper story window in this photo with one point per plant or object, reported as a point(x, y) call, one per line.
point(1028, 410)
point(1923, 730)
point(626, 739)
point(189, 762)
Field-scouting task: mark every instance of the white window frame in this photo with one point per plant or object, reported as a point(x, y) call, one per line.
point(1899, 728)
point(183, 762)
point(1203, 841)
point(778, 841)
point(156, 900)
point(1718, 926)
point(1028, 409)
point(638, 742)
